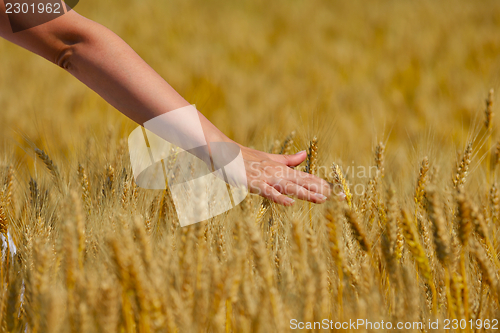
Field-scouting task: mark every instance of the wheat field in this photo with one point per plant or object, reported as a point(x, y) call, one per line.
point(395, 102)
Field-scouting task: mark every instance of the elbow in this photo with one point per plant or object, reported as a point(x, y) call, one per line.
point(68, 49)
point(64, 57)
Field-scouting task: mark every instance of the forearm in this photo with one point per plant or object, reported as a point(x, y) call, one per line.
point(106, 64)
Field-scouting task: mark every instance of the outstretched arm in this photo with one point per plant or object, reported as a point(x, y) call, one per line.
point(106, 64)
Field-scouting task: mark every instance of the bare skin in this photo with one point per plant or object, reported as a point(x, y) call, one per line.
point(105, 63)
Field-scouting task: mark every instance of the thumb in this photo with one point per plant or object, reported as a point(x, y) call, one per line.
point(290, 160)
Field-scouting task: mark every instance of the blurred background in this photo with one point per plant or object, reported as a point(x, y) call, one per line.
point(413, 75)
point(97, 253)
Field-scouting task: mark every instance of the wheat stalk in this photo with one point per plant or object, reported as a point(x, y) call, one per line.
point(287, 144)
point(339, 178)
point(51, 167)
point(379, 158)
point(463, 167)
point(358, 230)
point(416, 249)
point(312, 156)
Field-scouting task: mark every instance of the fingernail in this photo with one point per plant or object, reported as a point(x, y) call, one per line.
point(300, 152)
point(342, 195)
point(321, 196)
point(289, 201)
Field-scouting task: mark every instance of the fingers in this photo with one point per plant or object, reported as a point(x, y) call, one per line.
point(287, 187)
point(290, 160)
point(274, 178)
point(306, 180)
point(272, 194)
point(276, 189)
point(309, 182)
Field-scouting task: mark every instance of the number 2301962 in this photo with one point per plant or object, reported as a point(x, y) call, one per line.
point(40, 8)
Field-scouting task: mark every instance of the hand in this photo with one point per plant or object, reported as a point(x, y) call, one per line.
point(272, 177)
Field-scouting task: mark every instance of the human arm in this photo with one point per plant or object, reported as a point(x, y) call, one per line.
point(106, 64)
